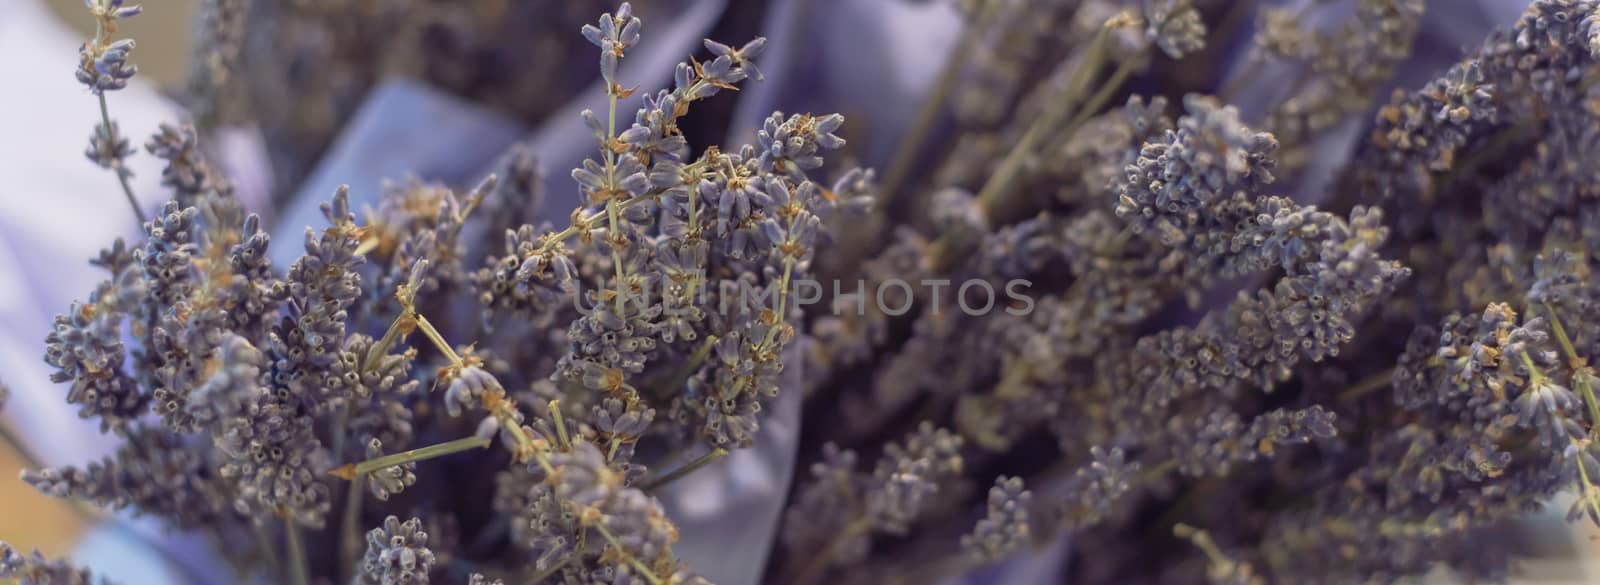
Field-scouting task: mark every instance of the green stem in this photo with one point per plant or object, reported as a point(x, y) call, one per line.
point(298, 571)
point(1100, 98)
point(350, 472)
point(390, 336)
point(999, 186)
point(636, 563)
point(264, 541)
point(561, 426)
point(994, 197)
point(611, 203)
point(543, 461)
point(1367, 386)
point(1577, 363)
point(697, 359)
point(438, 340)
point(122, 174)
point(350, 529)
point(1201, 540)
point(691, 467)
point(1586, 491)
point(783, 302)
point(778, 319)
point(911, 142)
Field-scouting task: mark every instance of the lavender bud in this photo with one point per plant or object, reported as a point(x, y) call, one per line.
point(397, 554)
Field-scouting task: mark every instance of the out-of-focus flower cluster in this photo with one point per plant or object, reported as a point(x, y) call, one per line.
point(1196, 374)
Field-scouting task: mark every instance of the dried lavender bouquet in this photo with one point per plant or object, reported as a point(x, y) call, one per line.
point(1193, 375)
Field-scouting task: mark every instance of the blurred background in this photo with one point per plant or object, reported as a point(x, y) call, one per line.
point(1566, 553)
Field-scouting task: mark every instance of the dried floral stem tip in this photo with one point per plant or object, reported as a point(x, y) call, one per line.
point(350, 471)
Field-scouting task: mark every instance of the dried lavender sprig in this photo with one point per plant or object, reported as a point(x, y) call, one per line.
point(617, 33)
point(397, 554)
point(103, 66)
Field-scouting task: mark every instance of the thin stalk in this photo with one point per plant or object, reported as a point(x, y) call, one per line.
point(299, 574)
point(696, 359)
point(1201, 540)
point(998, 187)
point(611, 202)
point(1578, 364)
point(350, 528)
point(504, 410)
point(1100, 98)
point(1367, 386)
point(778, 319)
point(122, 175)
point(397, 330)
point(691, 467)
point(994, 197)
point(543, 461)
point(351, 471)
point(438, 340)
point(367, 246)
point(562, 439)
point(911, 142)
point(1586, 491)
point(264, 540)
point(634, 562)
point(783, 301)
